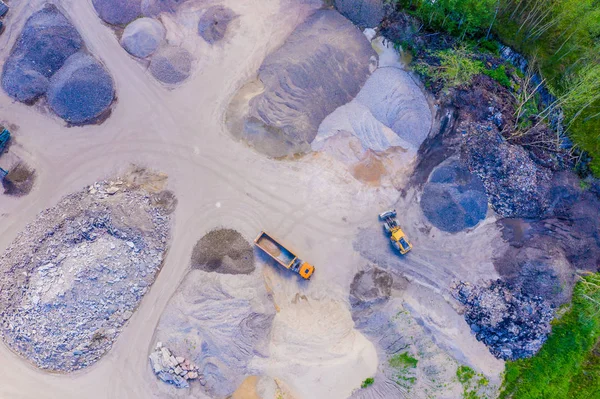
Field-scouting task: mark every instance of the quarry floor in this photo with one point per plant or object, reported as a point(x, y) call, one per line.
point(310, 202)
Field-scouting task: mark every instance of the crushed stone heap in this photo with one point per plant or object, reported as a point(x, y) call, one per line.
point(511, 323)
point(71, 280)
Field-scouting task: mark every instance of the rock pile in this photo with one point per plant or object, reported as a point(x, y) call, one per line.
point(72, 278)
point(174, 370)
point(321, 66)
point(515, 184)
point(511, 323)
point(49, 58)
point(454, 199)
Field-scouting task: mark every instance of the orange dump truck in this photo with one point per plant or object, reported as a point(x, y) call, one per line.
point(283, 256)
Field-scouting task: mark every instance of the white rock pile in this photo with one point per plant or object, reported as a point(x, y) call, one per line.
point(174, 370)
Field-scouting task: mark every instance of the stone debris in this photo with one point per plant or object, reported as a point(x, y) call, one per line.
point(74, 276)
point(171, 64)
point(511, 323)
point(174, 370)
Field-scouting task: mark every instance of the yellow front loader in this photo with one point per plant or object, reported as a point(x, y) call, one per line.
point(397, 236)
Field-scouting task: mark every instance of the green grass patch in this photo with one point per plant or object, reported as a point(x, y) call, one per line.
point(403, 360)
point(471, 382)
point(367, 383)
point(404, 364)
point(568, 365)
point(499, 75)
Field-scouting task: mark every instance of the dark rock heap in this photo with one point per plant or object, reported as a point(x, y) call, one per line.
point(511, 323)
point(454, 199)
point(49, 59)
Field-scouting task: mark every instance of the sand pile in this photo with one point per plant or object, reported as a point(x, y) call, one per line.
point(223, 251)
point(72, 278)
point(220, 323)
point(322, 65)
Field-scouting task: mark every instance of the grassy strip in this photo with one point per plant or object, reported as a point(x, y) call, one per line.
point(568, 365)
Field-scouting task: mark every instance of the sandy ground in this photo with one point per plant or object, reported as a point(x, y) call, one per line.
point(312, 202)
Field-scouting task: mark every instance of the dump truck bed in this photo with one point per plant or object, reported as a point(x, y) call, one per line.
point(277, 251)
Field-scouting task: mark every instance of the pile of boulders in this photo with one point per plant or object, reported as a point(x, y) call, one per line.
point(516, 185)
point(71, 280)
point(174, 370)
point(511, 323)
point(213, 24)
point(49, 58)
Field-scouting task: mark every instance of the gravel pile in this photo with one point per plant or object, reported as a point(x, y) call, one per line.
point(223, 251)
point(142, 37)
point(72, 278)
point(364, 13)
point(48, 38)
point(174, 370)
point(171, 64)
point(118, 12)
point(511, 323)
point(49, 59)
point(214, 22)
point(81, 91)
point(454, 199)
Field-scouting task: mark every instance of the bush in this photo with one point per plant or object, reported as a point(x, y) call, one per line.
point(456, 67)
point(367, 383)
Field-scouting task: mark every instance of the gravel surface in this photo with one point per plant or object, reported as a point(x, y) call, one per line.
point(118, 12)
point(73, 277)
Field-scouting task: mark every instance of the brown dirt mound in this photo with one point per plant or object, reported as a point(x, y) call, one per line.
point(19, 180)
point(223, 251)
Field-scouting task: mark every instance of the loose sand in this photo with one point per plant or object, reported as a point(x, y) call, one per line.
point(313, 203)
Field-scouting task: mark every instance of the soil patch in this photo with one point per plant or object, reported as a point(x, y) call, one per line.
point(19, 180)
point(223, 251)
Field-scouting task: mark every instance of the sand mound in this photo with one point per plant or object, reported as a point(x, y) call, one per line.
point(220, 323)
point(47, 40)
point(171, 64)
point(321, 66)
point(81, 90)
point(214, 22)
point(118, 12)
point(142, 37)
point(454, 199)
point(223, 251)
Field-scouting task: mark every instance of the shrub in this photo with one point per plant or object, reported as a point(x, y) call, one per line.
point(367, 383)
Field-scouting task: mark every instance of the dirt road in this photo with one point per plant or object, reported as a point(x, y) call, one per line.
point(311, 202)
